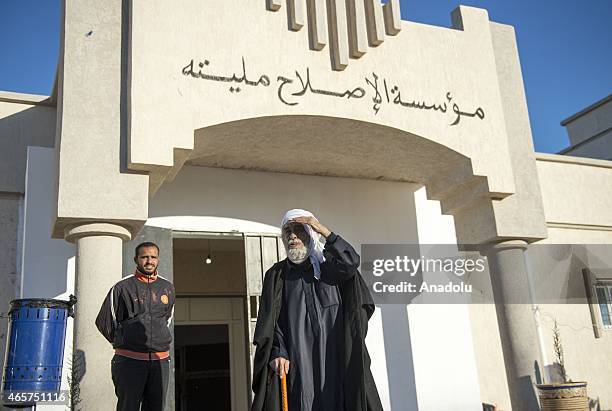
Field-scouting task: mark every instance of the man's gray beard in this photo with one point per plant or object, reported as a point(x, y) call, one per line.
point(297, 255)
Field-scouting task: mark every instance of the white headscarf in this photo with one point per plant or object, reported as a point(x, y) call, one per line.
point(315, 246)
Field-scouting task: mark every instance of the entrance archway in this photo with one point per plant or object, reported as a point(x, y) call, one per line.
point(341, 147)
point(246, 169)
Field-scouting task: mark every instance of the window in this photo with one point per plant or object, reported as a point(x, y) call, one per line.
point(604, 300)
point(598, 287)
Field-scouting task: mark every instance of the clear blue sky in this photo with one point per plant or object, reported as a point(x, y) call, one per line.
point(565, 48)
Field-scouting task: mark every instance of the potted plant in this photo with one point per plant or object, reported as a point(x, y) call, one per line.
point(564, 395)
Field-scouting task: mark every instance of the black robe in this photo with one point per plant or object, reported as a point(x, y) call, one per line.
point(340, 268)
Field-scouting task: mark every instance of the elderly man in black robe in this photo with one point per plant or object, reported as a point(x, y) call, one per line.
point(312, 323)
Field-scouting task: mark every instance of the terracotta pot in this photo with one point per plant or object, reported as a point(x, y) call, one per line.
point(565, 396)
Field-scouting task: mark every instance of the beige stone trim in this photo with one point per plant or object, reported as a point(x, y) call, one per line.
point(375, 22)
point(569, 226)
point(583, 161)
point(510, 244)
point(317, 24)
point(273, 5)
point(73, 233)
point(339, 43)
point(357, 30)
point(297, 14)
point(393, 20)
point(22, 98)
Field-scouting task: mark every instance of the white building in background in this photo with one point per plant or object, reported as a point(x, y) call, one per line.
point(197, 126)
point(590, 131)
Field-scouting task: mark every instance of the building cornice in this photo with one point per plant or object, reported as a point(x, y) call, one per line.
point(22, 98)
point(586, 110)
point(583, 161)
point(570, 226)
point(583, 142)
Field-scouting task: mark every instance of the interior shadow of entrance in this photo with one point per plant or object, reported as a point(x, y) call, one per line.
point(202, 367)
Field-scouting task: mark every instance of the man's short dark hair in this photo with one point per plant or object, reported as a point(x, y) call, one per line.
point(143, 245)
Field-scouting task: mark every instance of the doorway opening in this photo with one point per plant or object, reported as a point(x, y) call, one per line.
point(202, 367)
point(210, 331)
point(218, 279)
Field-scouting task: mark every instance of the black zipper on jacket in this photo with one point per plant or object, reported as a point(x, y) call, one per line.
point(150, 315)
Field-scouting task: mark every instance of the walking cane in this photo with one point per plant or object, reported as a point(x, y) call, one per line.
point(284, 400)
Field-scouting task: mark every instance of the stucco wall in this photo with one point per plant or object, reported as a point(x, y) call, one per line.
point(91, 121)
point(586, 357)
point(520, 215)
point(578, 235)
point(576, 191)
point(10, 205)
point(158, 91)
point(424, 62)
point(22, 124)
point(577, 194)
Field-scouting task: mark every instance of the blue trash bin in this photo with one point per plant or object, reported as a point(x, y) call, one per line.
point(35, 345)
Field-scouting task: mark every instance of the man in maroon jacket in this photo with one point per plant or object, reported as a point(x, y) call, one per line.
point(135, 318)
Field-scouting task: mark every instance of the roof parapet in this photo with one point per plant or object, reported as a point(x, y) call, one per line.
point(368, 22)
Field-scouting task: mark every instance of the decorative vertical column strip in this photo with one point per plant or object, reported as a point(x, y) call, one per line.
point(338, 34)
point(357, 30)
point(99, 264)
point(516, 322)
point(296, 14)
point(317, 22)
point(393, 19)
point(273, 5)
point(374, 22)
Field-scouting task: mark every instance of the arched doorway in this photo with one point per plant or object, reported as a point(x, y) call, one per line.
point(346, 171)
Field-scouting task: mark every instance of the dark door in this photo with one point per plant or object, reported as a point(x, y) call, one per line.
point(202, 368)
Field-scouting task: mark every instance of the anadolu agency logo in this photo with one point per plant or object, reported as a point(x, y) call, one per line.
point(398, 274)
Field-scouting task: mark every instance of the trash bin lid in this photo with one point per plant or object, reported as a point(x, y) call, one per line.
point(40, 303)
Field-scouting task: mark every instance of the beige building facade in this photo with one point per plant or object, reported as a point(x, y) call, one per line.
point(197, 126)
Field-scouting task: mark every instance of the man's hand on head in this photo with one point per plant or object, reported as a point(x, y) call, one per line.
point(280, 364)
point(315, 224)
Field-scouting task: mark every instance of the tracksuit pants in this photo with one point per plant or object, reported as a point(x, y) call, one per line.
point(140, 382)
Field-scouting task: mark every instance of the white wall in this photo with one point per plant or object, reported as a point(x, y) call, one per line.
point(441, 334)
point(363, 212)
point(48, 264)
